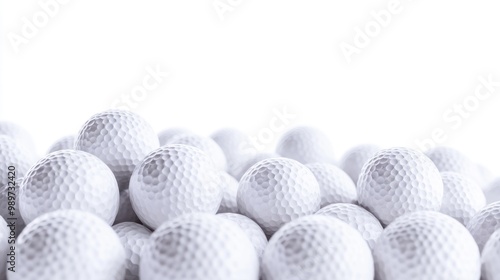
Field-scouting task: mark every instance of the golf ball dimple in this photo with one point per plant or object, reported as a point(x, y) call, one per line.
point(229, 185)
point(251, 228)
point(121, 139)
point(199, 246)
point(81, 246)
point(317, 247)
point(353, 160)
point(484, 223)
point(426, 245)
point(174, 180)
point(462, 197)
point(367, 225)
point(334, 184)
point(306, 145)
point(398, 181)
point(205, 144)
point(278, 190)
point(69, 179)
point(133, 237)
point(65, 143)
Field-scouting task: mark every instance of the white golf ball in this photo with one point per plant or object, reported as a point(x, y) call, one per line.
point(126, 212)
point(490, 258)
point(306, 145)
point(462, 197)
point(205, 144)
point(278, 190)
point(166, 135)
point(317, 248)
point(174, 180)
point(69, 179)
point(121, 139)
point(353, 160)
point(397, 181)
point(12, 154)
point(367, 225)
point(251, 228)
point(229, 185)
point(484, 223)
point(237, 148)
point(334, 184)
point(449, 159)
point(199, 247)
point(68, 244)
point(65, 143)
point(426, 245)
point(133, 237)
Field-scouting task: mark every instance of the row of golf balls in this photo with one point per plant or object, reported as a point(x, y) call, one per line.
point(118, 172)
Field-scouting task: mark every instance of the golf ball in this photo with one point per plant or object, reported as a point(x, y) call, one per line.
point(65, 143)
point(490, 258)
point(229, 186)
point(334, 184)
point(306, 145)
point(276, 191)
point(205, 144)
point(353, 160)
point(236, 147)
point(484, 223)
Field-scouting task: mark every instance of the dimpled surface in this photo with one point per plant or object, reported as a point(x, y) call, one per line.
point(4, 247)
point(449, 159)
point(174, 180)
point(69, 244)
point(205, 144)
point(367, 225)
point(65, 143)
point(199, 247)
point(236, 147)
point(166, 135)
point(306, 145)
point(397, 181)
point(133, 238)
point(334, 184)
point(353, 160)
point(484, 223)
point(126, 212)
point(19, 134)
point(317, 248)
point(4, 210)
point(490, 258)
point(253, 160)
point(426, 245)
point(229, 194)
point(13, 154)
point(121, 139)
point(462, 197)
point(251, 228)
point(69, 179)
point(278, 190)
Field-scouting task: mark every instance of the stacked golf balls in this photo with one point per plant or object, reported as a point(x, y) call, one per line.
point(118, 201)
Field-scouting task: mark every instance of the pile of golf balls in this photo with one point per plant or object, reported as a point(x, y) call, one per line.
point(117, 200)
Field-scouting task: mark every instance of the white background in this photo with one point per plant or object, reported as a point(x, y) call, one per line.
point(264, 55)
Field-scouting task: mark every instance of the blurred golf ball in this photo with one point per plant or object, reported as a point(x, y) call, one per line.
point(306, 145)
